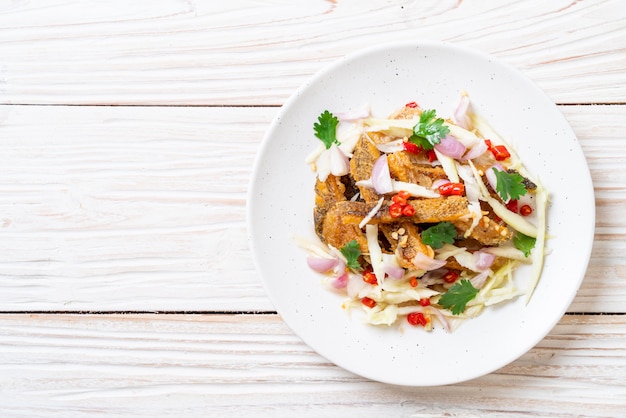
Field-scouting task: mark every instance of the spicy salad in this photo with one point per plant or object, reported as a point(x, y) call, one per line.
point(422, 219)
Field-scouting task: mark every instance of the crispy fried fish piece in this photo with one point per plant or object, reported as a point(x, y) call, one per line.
point(363, 158)
point(337, 232)
point(433, 210)
point(406, 241)
point(327, 193)
point(409, 168)
point(487, 232)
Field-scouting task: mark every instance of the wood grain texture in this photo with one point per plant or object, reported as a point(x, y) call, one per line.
point(214, 365)
point(258, 52)
point(127, 208)
point(143, 208)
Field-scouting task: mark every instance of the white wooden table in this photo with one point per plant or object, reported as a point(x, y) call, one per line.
point(128, 132)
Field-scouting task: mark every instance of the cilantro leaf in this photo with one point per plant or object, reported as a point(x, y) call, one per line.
point(352, 252)
point(326, 128)
point(524, 243)
point(436, 236)
point(429, 130)
point(509, 185)
point(457, 296)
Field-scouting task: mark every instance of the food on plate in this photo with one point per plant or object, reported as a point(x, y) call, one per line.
point(420, 218)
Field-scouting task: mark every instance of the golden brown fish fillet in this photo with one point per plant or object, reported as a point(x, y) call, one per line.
point(487, 232)
point(327, 193)
point(406, 241)
point(433, 210)
point(363, 158)
point(336, 232)
point(409, 168)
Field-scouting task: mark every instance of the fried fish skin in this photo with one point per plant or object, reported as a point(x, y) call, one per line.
point(487, 232)
point(363, 158)
point(406, 241)
point(327, 193)
point(411, 168)
point(337, 232)
point(432, 210)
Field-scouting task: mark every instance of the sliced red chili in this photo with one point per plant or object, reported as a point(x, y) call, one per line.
point(412, 105)
point(431, 155)
point(408, 210)
point(399, 200)
point(488, 143)
point(370, 277)
point(512, 205)
point(370, 303)
point(500, 152)
point(425, 302)
point(417, 318)
point(411, 147)
point(451, 276)
point(403, 194)
point(452, 189)
point(413, 281)
point(395, 210)
point(525, 210)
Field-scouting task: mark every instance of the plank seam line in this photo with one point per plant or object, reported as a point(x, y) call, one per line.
point(183, 312)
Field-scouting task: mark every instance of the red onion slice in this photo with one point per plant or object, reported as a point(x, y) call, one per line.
point(476, 151)
point(484, 260)
point(450, 147)
point(320, 264)
point(424, 262)
point(479, 280)
point(460, 114)
point(392, 271)
point(381, 179)
point(340, 282)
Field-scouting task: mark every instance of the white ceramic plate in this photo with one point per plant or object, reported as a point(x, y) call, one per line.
point(281, 200)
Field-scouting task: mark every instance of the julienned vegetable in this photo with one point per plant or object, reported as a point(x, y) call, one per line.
point(423, 221)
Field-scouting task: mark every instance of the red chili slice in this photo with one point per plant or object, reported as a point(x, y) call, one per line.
point(411, 147)
point(450, 276)
point(395, 210)
point(500, 152)
point(417, 318)
point(408, 210)
point(512, 205)
point(525, 210)
point(449, 189)
point(370, 303)
point(370, 277)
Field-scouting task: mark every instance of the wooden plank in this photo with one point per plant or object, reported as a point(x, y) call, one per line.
point(162, 365)
point(250, 52)
point(143, 208)
point(112, 208)
point(601, 137)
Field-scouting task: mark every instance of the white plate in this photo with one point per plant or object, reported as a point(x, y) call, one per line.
point(281, 200)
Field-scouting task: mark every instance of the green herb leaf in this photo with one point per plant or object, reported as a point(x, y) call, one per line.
point(352, 252)
point(524, 243)
point(457, 296)
point(437, 235)
point(326, 128)
point(429, 130)
point(509, 185)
